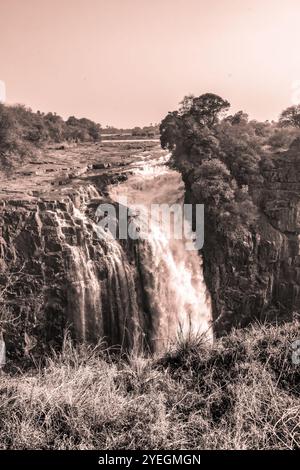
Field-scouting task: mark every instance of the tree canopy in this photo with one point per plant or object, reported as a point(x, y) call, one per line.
point(290, 117)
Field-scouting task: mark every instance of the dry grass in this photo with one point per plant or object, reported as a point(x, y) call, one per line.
point(242, 394)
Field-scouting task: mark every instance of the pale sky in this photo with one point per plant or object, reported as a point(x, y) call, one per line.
point(129, 62)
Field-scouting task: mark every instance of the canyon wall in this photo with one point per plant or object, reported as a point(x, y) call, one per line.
point(56, 273)
point(59, 270)
point(256, 273)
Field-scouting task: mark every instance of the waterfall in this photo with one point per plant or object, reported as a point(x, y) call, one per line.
point(101, 295)
point(135, 294)
point(178, 301)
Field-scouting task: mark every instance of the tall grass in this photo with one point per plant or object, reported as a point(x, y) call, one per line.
point(241, 394)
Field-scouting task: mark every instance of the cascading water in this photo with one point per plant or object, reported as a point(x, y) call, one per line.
point(101, 295)
point(136, 294)
point(172, 277)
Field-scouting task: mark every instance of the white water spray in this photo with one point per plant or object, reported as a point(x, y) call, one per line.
point(179, 302)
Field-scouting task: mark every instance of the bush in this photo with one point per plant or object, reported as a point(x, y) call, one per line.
point(22, 132)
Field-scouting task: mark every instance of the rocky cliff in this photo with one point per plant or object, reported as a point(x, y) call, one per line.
point(56, 271)
point(256, 274)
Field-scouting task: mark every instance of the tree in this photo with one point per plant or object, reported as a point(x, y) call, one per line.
point(82, 129)
point(208, 107)
point(282, 138)
point(213, 185)
point(9, 130)
point(238, 118)
point(170, 130)
point(186, 104)
point(4, 128)
point(191, 129)
point(56, 126)
point(240, 150)
point(290, 117)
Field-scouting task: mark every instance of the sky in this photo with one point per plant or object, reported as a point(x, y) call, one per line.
point(129, 62)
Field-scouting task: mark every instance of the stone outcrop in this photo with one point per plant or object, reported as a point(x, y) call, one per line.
point(257, 274)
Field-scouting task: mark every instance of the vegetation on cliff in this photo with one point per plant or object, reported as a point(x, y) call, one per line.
point(223, 157)
point(247, 175)
point(241, 394)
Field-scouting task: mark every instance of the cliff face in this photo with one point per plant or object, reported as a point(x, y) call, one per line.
point(257, 274)
point(51, 260)
point(281, 204)
point(55, 269)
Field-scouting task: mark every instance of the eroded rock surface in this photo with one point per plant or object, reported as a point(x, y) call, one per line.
point(257, 274)
point(55, 271)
